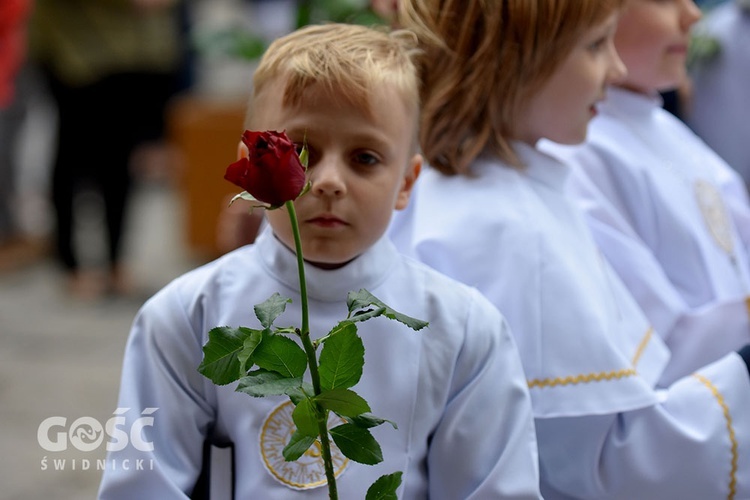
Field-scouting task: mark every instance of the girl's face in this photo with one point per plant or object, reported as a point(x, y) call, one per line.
point(565, 104)
point(652, 39)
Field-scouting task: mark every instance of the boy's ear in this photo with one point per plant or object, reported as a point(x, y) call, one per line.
point(242, 151)
point(410, 177)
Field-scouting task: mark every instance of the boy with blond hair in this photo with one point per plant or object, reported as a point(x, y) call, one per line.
point(455, 389)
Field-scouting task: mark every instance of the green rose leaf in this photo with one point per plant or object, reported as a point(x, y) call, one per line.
point(260, 383)
point(304, 155)
point(221, 361)
point(243, 196)
point(357, 301)
point(343, 402)
point(297, 446)
point(357, 444)
point(385, 487)
point(305, 419)
point(281, 355)
point(367, 314)
point(249, 345)
point(368, 420)
point(268, 311)
point(297, 394)
point(342, 358)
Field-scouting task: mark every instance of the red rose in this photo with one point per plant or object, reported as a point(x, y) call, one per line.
point(272, 172)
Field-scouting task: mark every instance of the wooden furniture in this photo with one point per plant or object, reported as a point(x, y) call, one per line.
point(206, 132)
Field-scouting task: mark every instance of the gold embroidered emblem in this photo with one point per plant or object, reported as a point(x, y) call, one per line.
point(714, 214)
point(305, 473)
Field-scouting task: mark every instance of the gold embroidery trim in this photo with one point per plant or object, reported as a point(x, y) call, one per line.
point(642, 346)
point(730, 429)
point(586, 378)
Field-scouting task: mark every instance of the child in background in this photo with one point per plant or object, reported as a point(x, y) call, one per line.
point(492, 211)
point(670, 215)
point(456, 389)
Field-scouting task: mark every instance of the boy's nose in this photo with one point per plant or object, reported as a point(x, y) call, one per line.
point(326, 178)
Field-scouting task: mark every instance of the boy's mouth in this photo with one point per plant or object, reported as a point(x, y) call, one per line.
point(327, 220)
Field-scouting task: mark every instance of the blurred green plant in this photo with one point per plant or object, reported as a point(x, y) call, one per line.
point(239, 42)
point(339, 11)
point(703, 49)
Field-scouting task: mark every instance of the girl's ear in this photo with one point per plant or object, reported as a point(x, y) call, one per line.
point(242, 151)
point(410, 177)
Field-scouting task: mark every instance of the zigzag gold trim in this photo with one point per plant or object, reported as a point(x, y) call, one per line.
point(586, 378)
point(730, 429)
point(642, 346)
point(581, 379)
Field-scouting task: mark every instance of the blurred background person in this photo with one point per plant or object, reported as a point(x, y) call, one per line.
point(13, 14)
point(13, 22)
point(111, 66)
point(677, 100)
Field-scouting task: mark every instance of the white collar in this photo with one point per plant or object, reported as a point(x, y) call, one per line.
point(542, 167)
point(366, 271)
point(623, 102)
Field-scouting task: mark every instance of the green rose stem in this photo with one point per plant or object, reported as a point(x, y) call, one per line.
point(311, 358)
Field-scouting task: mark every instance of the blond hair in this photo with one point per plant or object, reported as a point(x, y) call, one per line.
point(483, 59)
point(350, 61)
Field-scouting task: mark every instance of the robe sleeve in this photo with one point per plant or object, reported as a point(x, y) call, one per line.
point(485, 444)
point(696, 336)
point(688, 446)
point(160, 371)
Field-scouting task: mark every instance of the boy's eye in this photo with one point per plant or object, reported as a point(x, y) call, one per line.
point(365, 158)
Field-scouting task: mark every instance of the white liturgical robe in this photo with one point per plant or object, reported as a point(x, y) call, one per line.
point(604, 427)
point(673, 220)
point(455, 389)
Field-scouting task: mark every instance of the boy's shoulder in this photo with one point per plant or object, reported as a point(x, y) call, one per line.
point(440, 289)
point(213, 276)
point(460, 318)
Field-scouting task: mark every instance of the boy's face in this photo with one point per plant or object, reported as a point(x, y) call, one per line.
point(563, 107)
point(652, 39)
point(361, 168)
